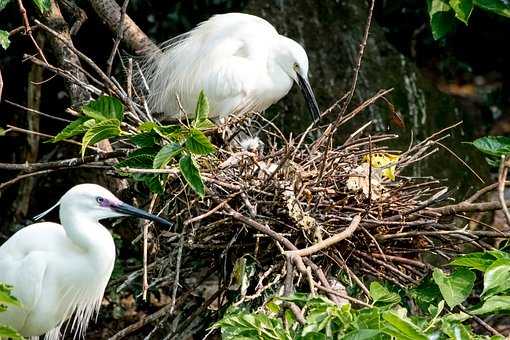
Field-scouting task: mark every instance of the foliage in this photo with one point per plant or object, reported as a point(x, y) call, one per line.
point(6, 299)
point(387, 318)
point(445, 14)
point(156, 146)
point(494, 147)
point(4, 39)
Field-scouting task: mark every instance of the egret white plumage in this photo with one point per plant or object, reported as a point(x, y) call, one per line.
point(62, 270)
point(239, 61)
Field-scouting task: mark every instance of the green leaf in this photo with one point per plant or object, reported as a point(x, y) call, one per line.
point(442, 18)
point(4, 39)
point(501, 7)
point(151, 181)
point(401, 327)
point(202, 109)
point(103, 108)
point(166, 154)
point(7, 332)
point(361, 334)
point(479, 261)
point(191, 174)
point(493, 145)
point(3, 3)
point(497, 278)
point(102, 130)
point(456, 330)
point(2, 132)
point(382, 296)
point(6, 297)
point(456, 287)
point(426, 293)
point(43, 5)
point(76, 127)
point(494, 304)
point(204, 124)
point(462, 9)
point(147, 126)
point(198, 143)
point(144, 139)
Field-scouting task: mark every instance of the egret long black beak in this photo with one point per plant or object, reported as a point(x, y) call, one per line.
point(304, 85)
point(127, 209)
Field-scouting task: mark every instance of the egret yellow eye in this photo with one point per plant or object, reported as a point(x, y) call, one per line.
point(296, 66)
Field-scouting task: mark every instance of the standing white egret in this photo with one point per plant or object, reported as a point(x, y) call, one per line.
point(62, 270)
point(239, 61)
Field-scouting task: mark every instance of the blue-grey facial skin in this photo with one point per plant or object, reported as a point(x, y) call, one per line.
point(103, 202)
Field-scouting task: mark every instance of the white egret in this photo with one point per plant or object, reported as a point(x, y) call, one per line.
point(239, 61)
point(62, 270)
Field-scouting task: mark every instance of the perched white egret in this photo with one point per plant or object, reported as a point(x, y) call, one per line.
point(239, 61)
point(62, 270)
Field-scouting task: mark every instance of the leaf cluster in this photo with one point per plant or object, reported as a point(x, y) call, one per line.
point(156, 146)
point(437, 296)
point(444, 15)
point(7, 299)
point(494, 147)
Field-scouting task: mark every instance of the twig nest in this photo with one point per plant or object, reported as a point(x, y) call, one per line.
point(358, 181)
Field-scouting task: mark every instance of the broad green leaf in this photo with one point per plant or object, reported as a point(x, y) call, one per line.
point(202, 109)
point(171, 132)
point(166, 154)
point(361, 334)
point(191, 174)
point(102, 130)
point(103, 108)
point(479, 261)
point(7, 332)
point(151, 181)
point(198, 143)
point(76, 127)
point(368, 318)
point(204, 124)
point(462, 9)
point(426, 293)
point(140, 158)
point(401, 327)
point(382, 296)
point(456, 287)
point(144, 139)
point(435, 311)
point(442, 18)
point(6, 297)
point(5, 42)
point(139, 162)
point(3, 3)
point(497, 278)
point(456, 330)
point(501, 7)
point(147, 126)
point(494, 304)
point(2, 132)
point(493, 145)
point(43, 5)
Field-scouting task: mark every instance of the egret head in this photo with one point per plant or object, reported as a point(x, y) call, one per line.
point(292, 58)
point(97, 203)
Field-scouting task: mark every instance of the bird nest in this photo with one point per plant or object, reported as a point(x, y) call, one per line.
point(284, 214)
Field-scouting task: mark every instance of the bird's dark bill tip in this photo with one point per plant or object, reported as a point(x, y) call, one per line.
point(127, 209)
